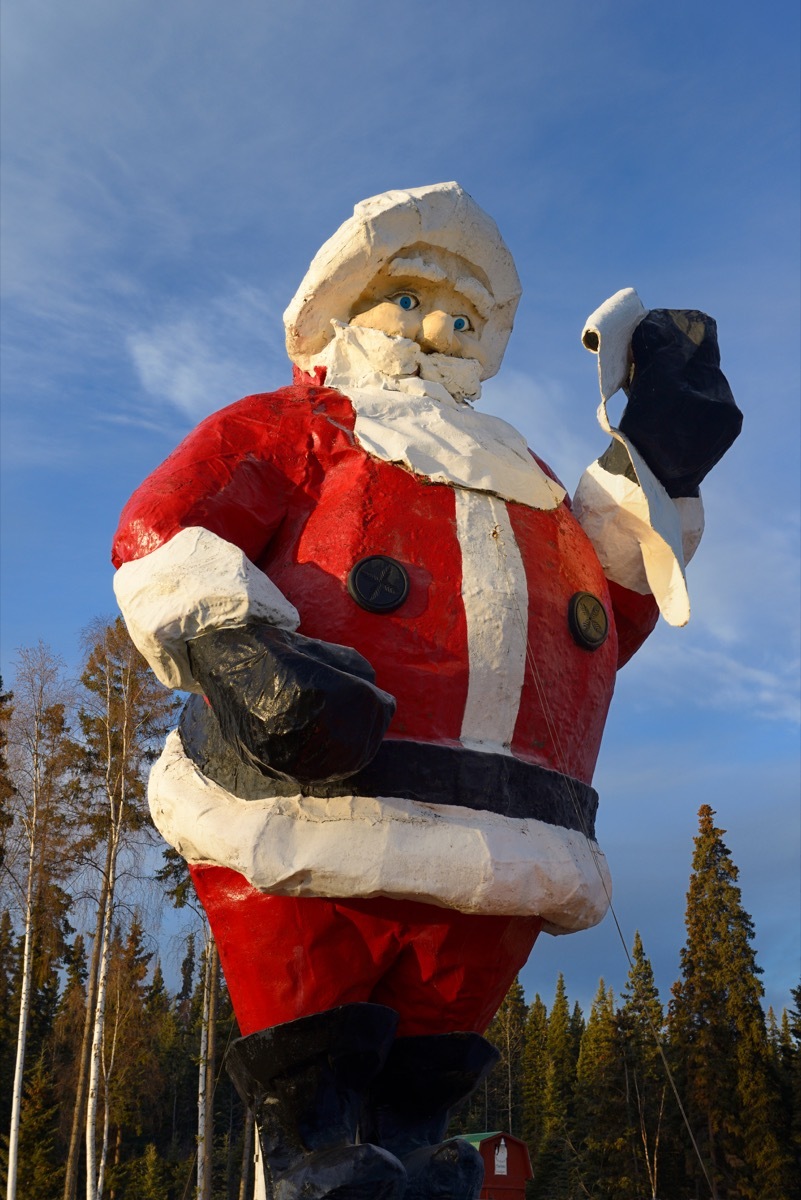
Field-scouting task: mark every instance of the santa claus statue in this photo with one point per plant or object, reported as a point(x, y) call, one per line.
point(402, 639)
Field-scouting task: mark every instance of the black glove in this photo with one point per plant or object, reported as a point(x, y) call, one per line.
point(681, 414)
point(291, 706)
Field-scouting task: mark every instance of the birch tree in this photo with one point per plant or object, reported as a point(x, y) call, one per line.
point(33, 861)
point(123, 717)
point(206, 1069)
point(178, 885)
point(7, 788)
point(507, 1032)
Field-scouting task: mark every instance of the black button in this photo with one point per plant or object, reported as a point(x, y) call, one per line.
point(588, 621)
point(378, 583)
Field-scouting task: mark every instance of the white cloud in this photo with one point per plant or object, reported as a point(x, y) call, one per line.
point(680, 670)
point(209, 355)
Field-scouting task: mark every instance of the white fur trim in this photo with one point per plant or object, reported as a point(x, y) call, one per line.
point(495, 598)
point(360, 846)
point(195, 582)
point(607, 332)
point(416, 422)
point(441, 215)
point(615, 514)
point(454, 446)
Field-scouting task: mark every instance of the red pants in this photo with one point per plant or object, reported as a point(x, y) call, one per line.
point(285, 958)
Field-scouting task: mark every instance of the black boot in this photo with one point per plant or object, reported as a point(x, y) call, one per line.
point(410, 1107)
point(305, 1081)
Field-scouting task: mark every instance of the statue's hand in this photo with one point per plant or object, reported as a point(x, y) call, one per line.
point(681, 414)
point(291, 706)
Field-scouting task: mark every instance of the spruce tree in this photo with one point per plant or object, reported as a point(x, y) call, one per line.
point(555, 1166)
point(69, 1021)
point(641, 1023)
point(182, 1060)
point(229, 1112)
point(187, 973)
point(577, 1027)
point(599, 1133)
point(43, 1009)
point(131, 1081)
point(147, 1176)
point(718, 1032)
point(791, 1078)
point(40, 1161)
point(10, 962)
point(535, 1067)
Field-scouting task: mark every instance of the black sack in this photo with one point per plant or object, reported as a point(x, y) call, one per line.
point(681, 414)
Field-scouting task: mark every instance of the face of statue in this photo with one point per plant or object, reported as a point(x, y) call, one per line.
point(422, 297)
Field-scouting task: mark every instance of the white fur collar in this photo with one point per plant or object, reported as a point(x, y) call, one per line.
point(404, 418)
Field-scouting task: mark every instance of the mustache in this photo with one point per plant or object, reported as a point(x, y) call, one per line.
point(401, 358)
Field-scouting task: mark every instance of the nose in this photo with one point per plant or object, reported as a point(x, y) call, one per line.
point(437, 334)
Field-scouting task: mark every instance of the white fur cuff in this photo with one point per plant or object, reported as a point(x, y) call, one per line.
point(642, 537)
point(193, 583)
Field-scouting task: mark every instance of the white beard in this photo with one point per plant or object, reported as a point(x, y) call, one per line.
point(367, 358)
point(423, 421)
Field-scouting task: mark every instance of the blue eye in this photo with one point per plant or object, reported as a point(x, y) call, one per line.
point(461, 324)
point(406, 301)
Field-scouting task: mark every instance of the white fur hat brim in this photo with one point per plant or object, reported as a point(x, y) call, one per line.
point(441, 215)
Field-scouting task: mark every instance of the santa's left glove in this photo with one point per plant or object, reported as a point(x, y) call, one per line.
point(680, 414)
point(292, 707)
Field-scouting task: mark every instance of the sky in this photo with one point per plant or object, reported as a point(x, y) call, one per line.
point(170, 169)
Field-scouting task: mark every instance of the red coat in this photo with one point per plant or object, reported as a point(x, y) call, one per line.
point(282, 477)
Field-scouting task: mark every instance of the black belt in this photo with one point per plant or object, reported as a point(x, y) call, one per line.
point(432, 774)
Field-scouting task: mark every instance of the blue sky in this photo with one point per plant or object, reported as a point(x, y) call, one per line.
point(169, 170)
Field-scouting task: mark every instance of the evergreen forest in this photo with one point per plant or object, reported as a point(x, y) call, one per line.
point(112, 1085)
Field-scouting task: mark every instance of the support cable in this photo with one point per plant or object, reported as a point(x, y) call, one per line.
point(553, 733)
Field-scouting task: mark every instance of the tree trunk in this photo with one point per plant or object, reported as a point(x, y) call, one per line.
point(509, 1088)
point(38, 739)
point(22, 1030)
point(90, 1130)
point(713, 1175)
point(259, 1171)
point(117, 1155)
point(73, 1156)
point(202, 1079)
point(97, 1035)
point(247, 1153)
point(211, 1058)
point(107, 1073)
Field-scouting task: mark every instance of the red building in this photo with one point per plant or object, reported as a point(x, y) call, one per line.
point(507, 1165)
